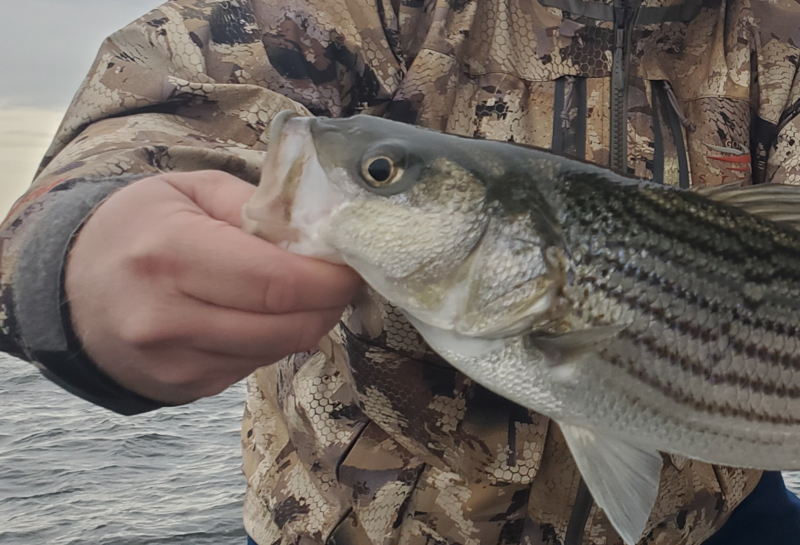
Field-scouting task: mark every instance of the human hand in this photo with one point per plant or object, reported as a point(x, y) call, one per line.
point(175, 302)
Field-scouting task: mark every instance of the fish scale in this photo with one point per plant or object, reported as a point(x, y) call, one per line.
point(639, 317)
point(684, 282)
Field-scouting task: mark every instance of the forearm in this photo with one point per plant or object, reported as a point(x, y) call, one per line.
point(36, 323)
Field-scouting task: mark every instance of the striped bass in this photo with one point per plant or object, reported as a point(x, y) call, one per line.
point(639, 317)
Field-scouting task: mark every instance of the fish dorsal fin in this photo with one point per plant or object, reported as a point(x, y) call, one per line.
point(622, 478)
point(779, 203)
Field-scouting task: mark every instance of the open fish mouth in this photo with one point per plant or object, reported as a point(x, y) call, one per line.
point(294, 199)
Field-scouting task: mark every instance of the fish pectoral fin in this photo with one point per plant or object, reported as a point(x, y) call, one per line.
point(574, 346)
point(775, 202)
point(622, 478)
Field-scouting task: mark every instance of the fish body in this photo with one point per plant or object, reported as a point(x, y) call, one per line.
point(641, 318)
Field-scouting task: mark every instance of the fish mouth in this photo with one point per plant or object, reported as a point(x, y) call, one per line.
point(294, 198)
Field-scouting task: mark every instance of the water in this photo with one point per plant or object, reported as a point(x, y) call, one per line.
point(72, 473)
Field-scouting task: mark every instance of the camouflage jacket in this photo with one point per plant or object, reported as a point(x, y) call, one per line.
point(374, 440)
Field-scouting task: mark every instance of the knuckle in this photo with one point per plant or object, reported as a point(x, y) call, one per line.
point(144, 264)
point(153, 258)
point(147, 259)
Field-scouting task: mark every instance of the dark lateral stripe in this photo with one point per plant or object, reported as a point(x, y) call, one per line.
point(733, 265)
point(707, 335)
point(696, 369)
point(721, 244)
point(733, 251)
point(674, 290)
point(699, 405)
point(684, 227)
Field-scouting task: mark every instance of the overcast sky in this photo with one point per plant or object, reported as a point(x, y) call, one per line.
point(47, 47)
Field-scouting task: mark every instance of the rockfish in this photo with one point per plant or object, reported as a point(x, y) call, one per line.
point(639, 317)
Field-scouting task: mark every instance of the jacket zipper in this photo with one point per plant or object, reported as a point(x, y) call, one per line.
point(624, 16)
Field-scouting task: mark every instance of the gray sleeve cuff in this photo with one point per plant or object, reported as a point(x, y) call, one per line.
point(42, 312)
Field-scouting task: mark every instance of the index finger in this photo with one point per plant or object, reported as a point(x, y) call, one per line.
point(218, 194)
point(225, 266)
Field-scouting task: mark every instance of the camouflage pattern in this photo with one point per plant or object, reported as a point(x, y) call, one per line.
point(374, 440)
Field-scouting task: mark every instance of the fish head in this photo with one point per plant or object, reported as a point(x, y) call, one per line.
point(402, 207)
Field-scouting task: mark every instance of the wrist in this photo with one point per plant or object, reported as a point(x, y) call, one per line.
point(40, 305)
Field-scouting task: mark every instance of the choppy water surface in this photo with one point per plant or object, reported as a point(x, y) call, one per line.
point(72, 473)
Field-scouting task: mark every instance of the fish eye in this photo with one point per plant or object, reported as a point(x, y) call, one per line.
point(381, 169)
point(388, 168)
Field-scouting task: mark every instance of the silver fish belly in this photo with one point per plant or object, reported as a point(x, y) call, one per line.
point(641, 318)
